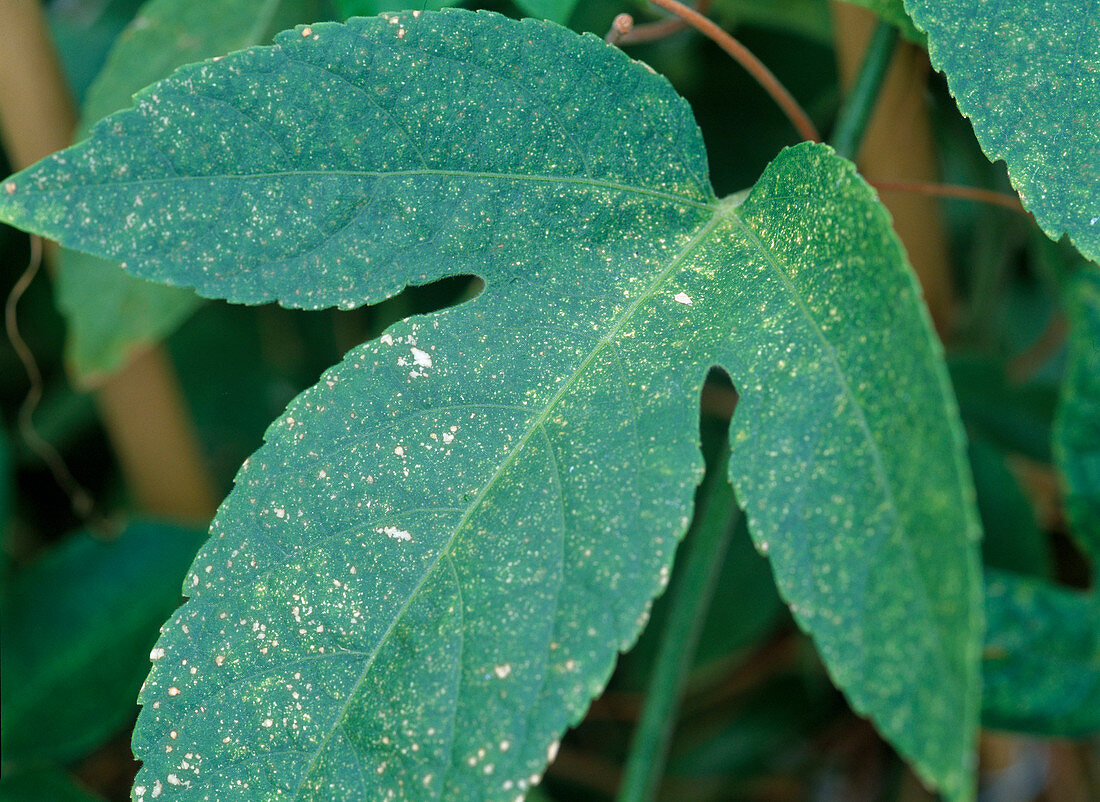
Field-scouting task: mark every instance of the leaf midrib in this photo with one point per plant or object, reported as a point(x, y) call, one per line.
point(670, 197)
point(718, 213)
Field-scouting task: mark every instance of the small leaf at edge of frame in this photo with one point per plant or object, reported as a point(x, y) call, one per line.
point(1077, 422)
point(1041, 670)
point(994, 56)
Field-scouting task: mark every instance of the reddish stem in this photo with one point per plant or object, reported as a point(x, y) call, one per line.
point(975, 194)
point(653, 31)
point(624, 32)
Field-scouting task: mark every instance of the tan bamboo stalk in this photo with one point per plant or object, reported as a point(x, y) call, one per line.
point(898, 146)
point(141, 406)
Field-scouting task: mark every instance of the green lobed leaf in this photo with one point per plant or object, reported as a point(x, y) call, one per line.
point(1027, 74)
point(426, 572)
point(110, 313)
point(1041, 671)
point(1077, 424)
point(84, 617)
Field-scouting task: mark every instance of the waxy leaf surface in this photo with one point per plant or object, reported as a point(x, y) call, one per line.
point(1027, 74)
point(425, 574)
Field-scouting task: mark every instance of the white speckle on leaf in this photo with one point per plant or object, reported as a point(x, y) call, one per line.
point(307, 32)
point(10, 189)
point(156, 654)
point(395, 533)
point(682, 298)
point(422, 358)
point(503, 671)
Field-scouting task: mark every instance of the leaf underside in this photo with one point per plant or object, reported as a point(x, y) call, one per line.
point(426, 572)
point(1027, 74)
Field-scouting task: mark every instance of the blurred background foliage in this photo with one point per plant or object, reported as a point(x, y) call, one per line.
point(82, 599)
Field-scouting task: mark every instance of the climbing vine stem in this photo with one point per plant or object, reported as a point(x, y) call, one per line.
point(739, 53)
point(856, 111)
point(705, 546)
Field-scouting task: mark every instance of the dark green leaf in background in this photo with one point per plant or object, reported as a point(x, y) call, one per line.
point(1027, 74)
point(83, 34)
point(7, 484)
point(557, 11)
point(43, 785)
point(426, 572)
point(1041, 672)
point(128, 313)
point(809, 18)
point(1015, 417)
point(763, 730)
point(554, 10)
point(1013, 540)
point(368, 8)
point(78, 626)
point(1077, 426)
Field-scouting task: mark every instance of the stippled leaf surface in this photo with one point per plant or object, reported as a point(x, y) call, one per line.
point(1027, 74)
point(129, 313)
point(426, 572)
point(1077, 425)
point(1041, 671)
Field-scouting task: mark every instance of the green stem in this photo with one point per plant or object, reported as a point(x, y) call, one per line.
point(856, 111)
point(706, 546)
